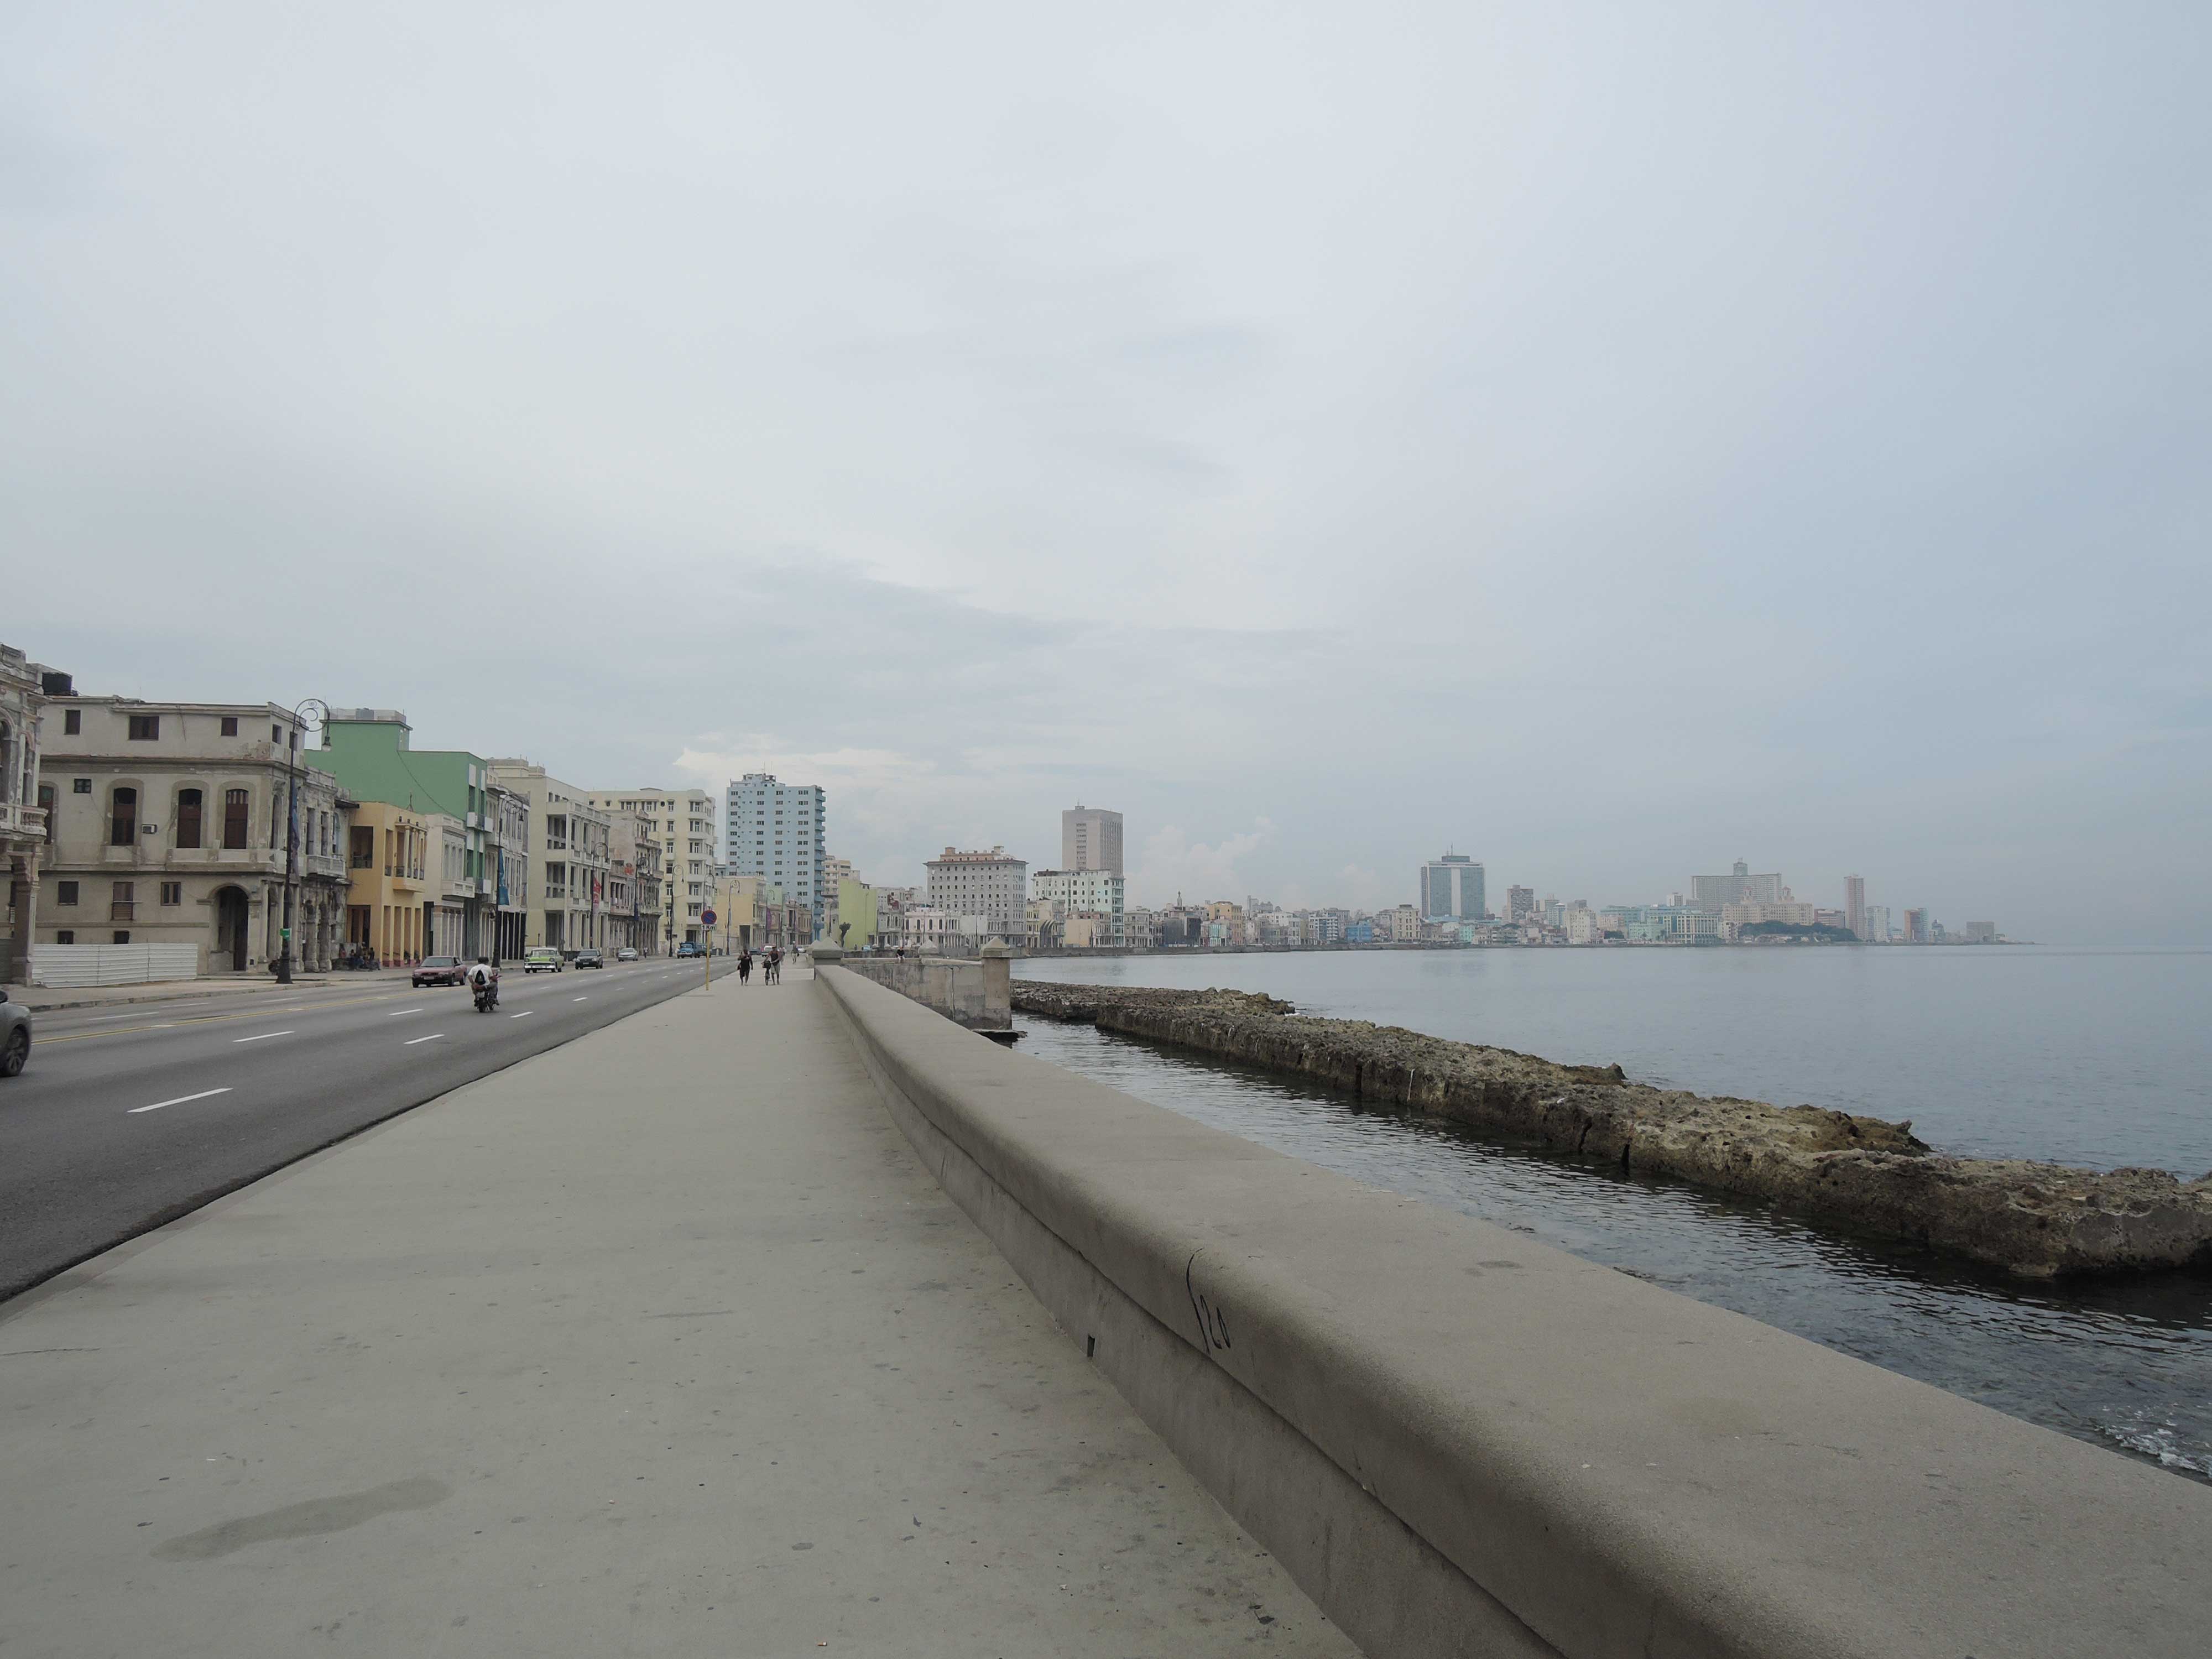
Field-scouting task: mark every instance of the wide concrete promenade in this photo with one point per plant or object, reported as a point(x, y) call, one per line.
point(661, 1342)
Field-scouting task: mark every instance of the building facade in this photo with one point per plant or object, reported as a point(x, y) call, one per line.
point(1451, 890)
point(992, 886)
point(1090, 839)
point(24, 803)
point(633, 856)
point(169, 827)
point(774, 830)
point(1855, 904)
point(1095, 892)
point(389, 895)
point(371, 751)
point(683, 821)
point(1739, 886)
point(568, 859)
point(508, 851)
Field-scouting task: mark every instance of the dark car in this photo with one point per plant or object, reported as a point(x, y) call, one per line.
point(587, 959)
point(14, 1036)
point(688, 949)
point(439, 970)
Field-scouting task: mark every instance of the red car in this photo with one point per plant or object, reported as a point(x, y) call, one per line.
point(439, 970)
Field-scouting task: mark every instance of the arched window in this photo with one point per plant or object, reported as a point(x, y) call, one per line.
point(188, 817)
point(123, 820)
point(234, 819)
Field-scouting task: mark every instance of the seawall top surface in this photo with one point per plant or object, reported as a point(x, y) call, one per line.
point(1631, 1471)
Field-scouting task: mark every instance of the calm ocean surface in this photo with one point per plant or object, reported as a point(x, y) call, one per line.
point(2098, 1058)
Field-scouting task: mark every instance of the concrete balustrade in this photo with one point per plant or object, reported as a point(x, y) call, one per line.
point(977, 994)
point(1459, 1442)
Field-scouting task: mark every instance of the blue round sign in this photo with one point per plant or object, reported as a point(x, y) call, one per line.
point(708, 917)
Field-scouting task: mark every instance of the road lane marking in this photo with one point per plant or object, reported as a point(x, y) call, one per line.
point(178, 1101)
point(411, 1042)
point(261, 1037)
point(396, 1012)
point(525, 1014)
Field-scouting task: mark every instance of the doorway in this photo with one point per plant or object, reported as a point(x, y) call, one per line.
point(230, 927)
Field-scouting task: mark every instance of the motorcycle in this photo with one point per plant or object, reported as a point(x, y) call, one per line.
point(487, 996)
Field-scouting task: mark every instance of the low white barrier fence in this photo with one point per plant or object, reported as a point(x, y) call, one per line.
point(53, 965)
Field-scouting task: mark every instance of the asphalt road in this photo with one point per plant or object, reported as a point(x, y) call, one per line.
point(125, 1118)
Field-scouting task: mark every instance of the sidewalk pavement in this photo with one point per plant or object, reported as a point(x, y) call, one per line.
point(41, 998)
point(661, 1342)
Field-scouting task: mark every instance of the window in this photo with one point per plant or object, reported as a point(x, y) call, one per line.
point(234, 819)
point(67, 894)
point(123, 819)
point(65, 937)
point(145, 728)
point(276, 732)
point(80, 786)
point(173, 892)
point(73, 721)
point(363, 856)
point(123, 936)
point(188, 817)
point(47, 806)
point(230, 725)
point(120, 903)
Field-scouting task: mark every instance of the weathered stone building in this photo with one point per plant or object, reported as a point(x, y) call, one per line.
point(23, 824)
point(168, 827)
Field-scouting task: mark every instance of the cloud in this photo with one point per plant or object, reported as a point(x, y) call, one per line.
point(1171, 864)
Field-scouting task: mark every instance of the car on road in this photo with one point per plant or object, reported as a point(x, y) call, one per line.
point(15, 1035)
point(688, 949)
point(544, 959)
point(439, 970)
point(626, 954)
point(587, 959)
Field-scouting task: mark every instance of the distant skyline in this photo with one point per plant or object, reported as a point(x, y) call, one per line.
point(1606, 444)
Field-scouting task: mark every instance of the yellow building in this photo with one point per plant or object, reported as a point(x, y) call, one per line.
point(387, 858)
point(736, 903)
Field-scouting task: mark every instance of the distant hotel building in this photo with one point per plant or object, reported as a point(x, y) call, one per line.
point(774, 830)
point(1075, 893)
point(1855, 904)
point(1090, 839)
point(1451, 890)
point(992, 886)
point(1520, 904)
point(1740, 886)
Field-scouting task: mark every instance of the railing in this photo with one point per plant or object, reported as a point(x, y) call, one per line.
point(17, 819)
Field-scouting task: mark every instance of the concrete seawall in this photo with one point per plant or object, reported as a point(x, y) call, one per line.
point(1865, 1173)
point(973, 991)
point(1461, 1443)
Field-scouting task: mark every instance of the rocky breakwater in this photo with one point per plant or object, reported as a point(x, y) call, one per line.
point(1862, 1173)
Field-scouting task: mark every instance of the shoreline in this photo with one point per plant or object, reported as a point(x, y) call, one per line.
point(2033, 1219)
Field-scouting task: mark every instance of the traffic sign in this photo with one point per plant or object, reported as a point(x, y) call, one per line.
point(707, 917)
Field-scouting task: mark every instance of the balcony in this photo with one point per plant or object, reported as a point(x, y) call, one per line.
point(17, 819)
point(121, 909)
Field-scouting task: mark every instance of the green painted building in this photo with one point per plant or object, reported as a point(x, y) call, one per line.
point(369, 752)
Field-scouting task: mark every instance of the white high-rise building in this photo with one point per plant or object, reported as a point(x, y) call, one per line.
point(1855, 904)
point(1090, 839)
point(775, 831)
point(1099, 891)
point(1451, 890)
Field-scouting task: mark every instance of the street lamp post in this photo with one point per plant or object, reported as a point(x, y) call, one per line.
point(292, 827)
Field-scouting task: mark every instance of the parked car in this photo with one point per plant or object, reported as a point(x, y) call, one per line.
point(15, 1035)
point(626, 954)
point(439, 970)
point(587, 959)
point(545, 958)
point(688, 949)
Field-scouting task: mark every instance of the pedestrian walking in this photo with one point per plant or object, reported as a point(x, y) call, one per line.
point(745, 966)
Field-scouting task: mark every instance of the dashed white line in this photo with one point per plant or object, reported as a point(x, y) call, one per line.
point(579, 999)
point(411, 1042)
point(261, 1037)
point(178, 1101)
point(396, 1012)
point(525, 1014)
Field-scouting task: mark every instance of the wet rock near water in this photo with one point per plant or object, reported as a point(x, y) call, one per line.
point(1865, 1173)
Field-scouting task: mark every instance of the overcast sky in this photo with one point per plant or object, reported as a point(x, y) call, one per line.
point(1609, 442)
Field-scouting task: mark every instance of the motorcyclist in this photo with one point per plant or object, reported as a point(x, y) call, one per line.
point(483, 981)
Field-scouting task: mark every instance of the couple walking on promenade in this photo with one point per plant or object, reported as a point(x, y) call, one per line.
point(771, 966)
